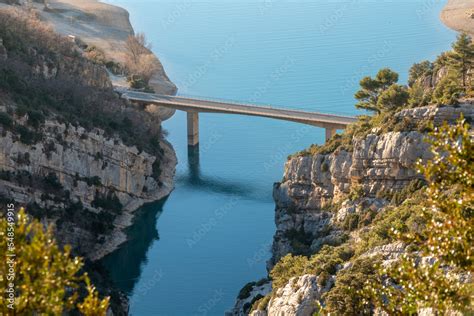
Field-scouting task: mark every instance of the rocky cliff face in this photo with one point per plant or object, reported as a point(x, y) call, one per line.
point(319, 193)
point(378, 164)
point(83, 167)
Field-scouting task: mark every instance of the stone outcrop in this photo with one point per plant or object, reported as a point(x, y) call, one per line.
point(244, 304)
point(297, 298)
point(310, 183)
point(439, 114)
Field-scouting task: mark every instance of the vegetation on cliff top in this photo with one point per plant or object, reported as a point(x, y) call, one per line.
point(46, 279)
point(439, 274)
point(140, 63)
point(48, 76)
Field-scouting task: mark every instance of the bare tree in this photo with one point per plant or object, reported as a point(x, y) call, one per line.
point(140, 61)
point(147, 67)
point(136, 46)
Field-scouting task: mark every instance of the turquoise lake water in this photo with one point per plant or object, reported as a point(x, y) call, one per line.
point(191, 254)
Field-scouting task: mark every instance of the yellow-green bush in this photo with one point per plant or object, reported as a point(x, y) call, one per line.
point(47, 279)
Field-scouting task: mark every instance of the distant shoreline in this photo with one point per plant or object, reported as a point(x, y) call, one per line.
point(459, 15)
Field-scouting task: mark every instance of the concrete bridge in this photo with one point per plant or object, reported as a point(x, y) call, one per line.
point(193, 106)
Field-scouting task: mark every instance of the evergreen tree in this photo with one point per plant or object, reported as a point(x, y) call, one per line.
point(462, 57)
point(420, 70)
point(373, 88)
point(394, 97)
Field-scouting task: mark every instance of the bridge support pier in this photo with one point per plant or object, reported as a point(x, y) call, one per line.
point(330, 132)
point(193, 128)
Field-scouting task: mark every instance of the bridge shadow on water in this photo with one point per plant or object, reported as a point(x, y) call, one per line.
point(194, 178)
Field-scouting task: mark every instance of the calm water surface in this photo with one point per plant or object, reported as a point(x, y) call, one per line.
point(190, 254)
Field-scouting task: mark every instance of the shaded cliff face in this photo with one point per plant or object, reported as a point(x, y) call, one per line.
point(87, 184)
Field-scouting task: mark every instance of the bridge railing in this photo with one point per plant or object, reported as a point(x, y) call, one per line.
point(321, 111)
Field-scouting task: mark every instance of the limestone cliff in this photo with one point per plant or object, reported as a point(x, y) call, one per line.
point(321, 194)
point(87, 166)
point(378, 163)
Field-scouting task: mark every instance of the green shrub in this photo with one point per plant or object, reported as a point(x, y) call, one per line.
point(403, 218)
point(419, 96)
point(366, 218)
point(23, 159)
point(95, 55)
point(107, 201)
point(327, 259)
point(357, 192)
point(300, 241)
point(394, 98)
point(323, 278)
point(413, 186)
point(27, 136)
point(419, 71)
point(261, 304)
point(246, 290)
point(6, 175)
point(345, 298)
point(49, 147)
point(137, 82)
point(35, 118)
point(351, 221)
point(95, 180)
point(51, 182)
point(6, 120)
point(289, 266)
point(447, 92)
point(114, 68)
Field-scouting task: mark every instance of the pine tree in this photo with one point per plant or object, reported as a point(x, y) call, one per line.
point(384, 84)
point(462, 57)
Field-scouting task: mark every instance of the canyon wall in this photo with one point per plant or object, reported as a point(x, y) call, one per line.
point(320, 193)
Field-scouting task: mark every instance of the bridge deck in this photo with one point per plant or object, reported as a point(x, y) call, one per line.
point(210, 106)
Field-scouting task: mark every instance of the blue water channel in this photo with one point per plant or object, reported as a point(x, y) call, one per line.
point(191, 253)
